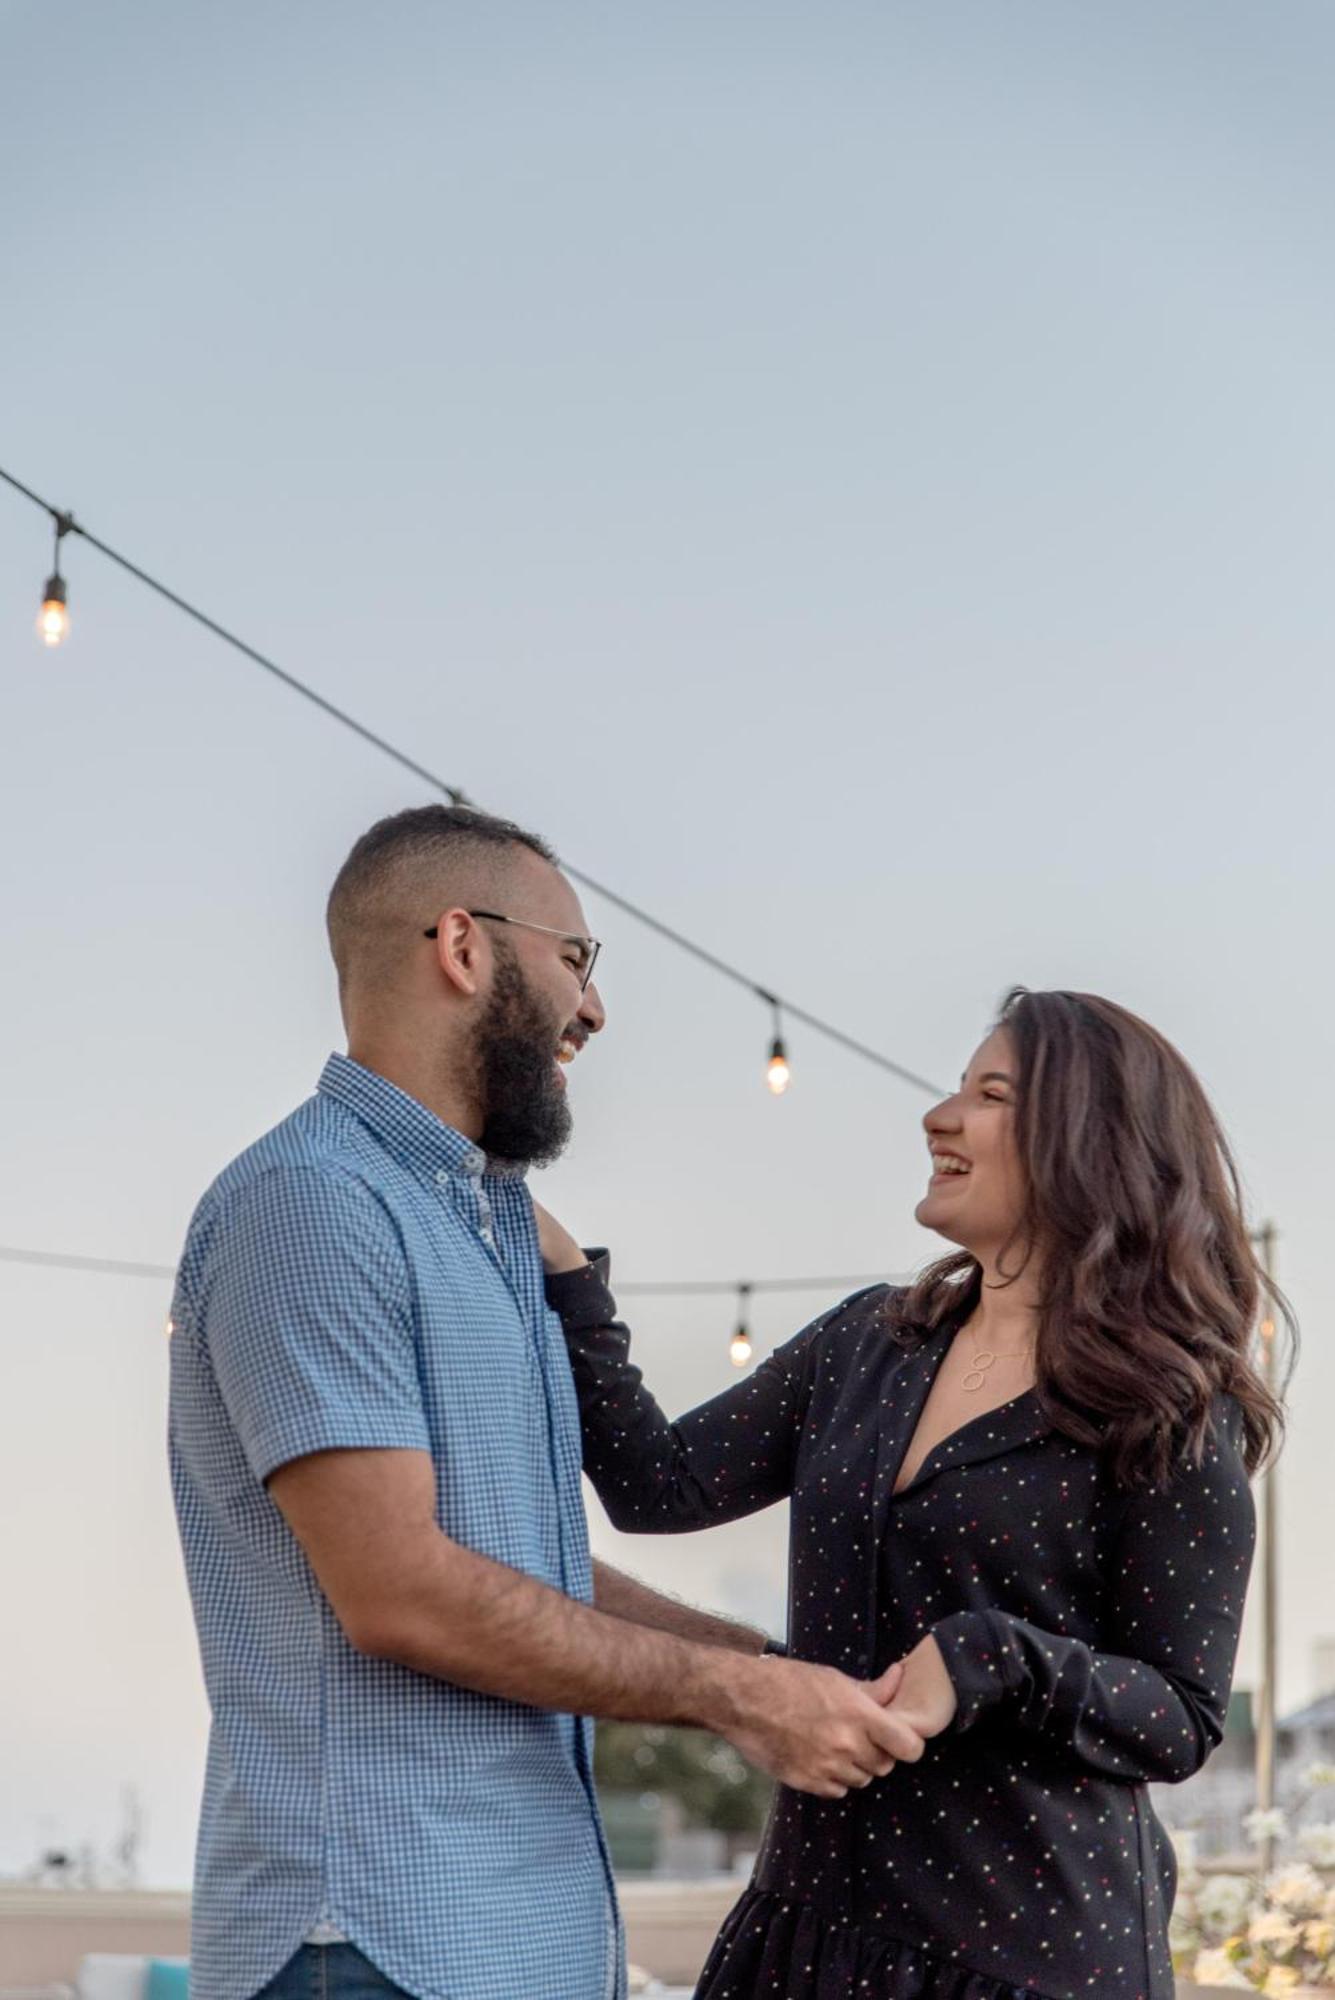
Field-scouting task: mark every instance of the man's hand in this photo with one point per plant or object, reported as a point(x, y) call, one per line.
point(560, 1252)
point(923, 1694)
point(815, 1729)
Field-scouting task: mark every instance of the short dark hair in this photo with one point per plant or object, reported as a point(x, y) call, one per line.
point(423, 840)
point(433, 833)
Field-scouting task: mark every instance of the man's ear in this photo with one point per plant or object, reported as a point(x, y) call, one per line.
point(462, 952)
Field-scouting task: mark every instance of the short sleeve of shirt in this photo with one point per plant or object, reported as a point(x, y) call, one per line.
point(305, 1310)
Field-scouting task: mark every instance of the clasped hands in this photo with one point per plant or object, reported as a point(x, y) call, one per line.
point(918, 1693)
point(818, 1731)
point(919, 1690)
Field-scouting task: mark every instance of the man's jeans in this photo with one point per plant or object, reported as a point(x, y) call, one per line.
point(330, 1972)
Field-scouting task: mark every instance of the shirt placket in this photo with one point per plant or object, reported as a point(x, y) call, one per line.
point(574, 1558)
point(464, 1188)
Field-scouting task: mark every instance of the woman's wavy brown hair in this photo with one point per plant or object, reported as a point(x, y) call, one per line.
point(1151, 1287)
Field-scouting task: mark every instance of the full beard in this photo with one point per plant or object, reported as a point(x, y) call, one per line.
point(527, 1117)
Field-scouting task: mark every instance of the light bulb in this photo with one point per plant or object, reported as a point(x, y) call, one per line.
point(53, 620)
point(739, 1353)
point(778, 1075)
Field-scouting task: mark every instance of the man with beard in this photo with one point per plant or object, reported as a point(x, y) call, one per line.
point(376, 1462)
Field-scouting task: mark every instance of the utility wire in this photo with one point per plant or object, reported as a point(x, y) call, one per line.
point(67, 525)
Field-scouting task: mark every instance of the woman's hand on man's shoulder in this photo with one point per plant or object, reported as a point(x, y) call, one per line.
point(560, 1252)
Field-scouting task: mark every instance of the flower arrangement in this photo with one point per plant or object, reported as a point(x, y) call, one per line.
point(1273, 1935)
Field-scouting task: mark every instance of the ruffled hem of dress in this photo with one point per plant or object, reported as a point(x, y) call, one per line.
point(772, 1947)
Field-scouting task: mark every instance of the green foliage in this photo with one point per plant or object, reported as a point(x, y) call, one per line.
point(714, 1785)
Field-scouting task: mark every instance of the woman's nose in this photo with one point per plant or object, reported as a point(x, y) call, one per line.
point(943, 1117)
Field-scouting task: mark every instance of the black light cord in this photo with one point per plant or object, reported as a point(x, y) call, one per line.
point(711, 1287)
point(106, 1267)
point(117, 1267)
point(73, 527)
point(68, 525)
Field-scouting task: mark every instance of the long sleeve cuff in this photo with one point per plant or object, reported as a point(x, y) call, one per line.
point(979, 1663)
point(583, 1298)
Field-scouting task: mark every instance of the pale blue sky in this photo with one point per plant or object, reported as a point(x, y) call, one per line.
point(857, 478)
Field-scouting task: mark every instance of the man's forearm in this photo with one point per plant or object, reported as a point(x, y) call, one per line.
point(402, 1591)
point(474, 1621)
point(625, 1597)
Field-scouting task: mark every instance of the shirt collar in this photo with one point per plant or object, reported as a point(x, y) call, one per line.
point(424, 1143)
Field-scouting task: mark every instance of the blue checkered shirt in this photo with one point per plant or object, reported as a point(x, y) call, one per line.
point(360, 1278)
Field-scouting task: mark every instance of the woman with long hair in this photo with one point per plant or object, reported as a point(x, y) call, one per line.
point(1025, 1477)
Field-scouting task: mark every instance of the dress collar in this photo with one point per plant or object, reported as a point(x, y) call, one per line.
point(992, 1432)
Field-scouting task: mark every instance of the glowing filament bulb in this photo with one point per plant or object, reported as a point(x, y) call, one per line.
point(778, 1072)
point(53, 620)
point(740, 1350)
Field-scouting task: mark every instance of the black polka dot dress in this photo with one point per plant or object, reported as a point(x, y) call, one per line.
point(1089, 1630)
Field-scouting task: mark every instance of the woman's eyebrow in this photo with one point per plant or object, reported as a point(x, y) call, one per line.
point(995, 1076)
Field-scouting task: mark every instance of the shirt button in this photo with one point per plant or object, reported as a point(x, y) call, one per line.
point(442, 1178)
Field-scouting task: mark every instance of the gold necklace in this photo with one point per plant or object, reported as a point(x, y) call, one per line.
point(984, 1358)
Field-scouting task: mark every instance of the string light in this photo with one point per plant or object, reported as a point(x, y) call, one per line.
point(830, 1285)
point(120, 1267)
point(53, 620)
point(66, 524)
point(739, 1348)
point(778, 1070)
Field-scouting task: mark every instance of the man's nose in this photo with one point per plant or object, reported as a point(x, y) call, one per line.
point(592, 1011)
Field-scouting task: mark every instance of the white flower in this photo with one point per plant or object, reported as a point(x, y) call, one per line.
point(1317, 1775)
point(1224, 1900)
point(1265, 1823)
point(1297, 1889)
point(1216, 1968)
point(1318, 1843)
point(1273, 1928)
point(1280, 1979)
point(1319, 1938)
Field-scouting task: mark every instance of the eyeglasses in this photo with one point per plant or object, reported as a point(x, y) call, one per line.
point(587, 947)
